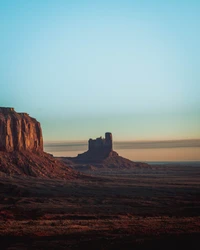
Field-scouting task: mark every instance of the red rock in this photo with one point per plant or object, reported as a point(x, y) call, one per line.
point(21, 149)
point(19, 132)
point(34, 164)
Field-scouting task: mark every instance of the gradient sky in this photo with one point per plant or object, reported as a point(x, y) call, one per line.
point(86, 67)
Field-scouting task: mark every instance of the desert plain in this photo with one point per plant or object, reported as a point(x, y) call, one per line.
point(155, 207)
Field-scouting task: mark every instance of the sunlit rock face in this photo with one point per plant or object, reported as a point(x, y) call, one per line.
point(19, 132)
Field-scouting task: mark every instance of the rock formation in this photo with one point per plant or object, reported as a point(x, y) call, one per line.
point(19, 132)
point(100, 154)
point(98, 149)
point(21, 149)
point(102, 145)
point(34, 164)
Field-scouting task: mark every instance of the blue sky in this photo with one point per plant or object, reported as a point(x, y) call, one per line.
point(86, 67)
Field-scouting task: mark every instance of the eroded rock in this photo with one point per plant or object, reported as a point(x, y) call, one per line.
point(19, 132)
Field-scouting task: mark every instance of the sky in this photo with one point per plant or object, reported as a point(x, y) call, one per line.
point(82, 68)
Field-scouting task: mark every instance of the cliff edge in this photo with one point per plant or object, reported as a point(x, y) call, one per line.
point(19, 132)
point(21, 149)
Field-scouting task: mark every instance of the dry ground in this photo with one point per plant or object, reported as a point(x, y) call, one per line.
point(154, 208)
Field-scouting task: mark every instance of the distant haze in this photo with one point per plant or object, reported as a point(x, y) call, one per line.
point(179, 150)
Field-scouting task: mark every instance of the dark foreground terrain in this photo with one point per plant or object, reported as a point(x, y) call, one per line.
point(144, 208)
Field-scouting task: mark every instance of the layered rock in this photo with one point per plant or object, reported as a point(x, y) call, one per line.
point(21, 149)
point(19, 132)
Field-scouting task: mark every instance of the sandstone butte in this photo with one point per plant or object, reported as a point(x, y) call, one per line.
point(21, 148)
point(19, 132)
point(100, 154)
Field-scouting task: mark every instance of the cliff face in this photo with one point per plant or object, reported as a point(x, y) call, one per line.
point(19, 132)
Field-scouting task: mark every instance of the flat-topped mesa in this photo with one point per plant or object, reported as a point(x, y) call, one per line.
point(19, 131)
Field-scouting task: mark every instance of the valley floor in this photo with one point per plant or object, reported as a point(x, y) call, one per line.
point(152, 208)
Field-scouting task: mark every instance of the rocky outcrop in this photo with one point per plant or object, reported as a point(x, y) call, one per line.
point(98, 149)
point(101, 145)
point(21, 149)
point(39, 164)
point(94, 156)
point(19, 132)
point(100, 154)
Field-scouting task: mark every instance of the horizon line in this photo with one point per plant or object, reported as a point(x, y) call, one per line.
point(161, 140)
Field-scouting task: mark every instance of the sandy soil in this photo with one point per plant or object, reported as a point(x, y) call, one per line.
point(152, 208)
